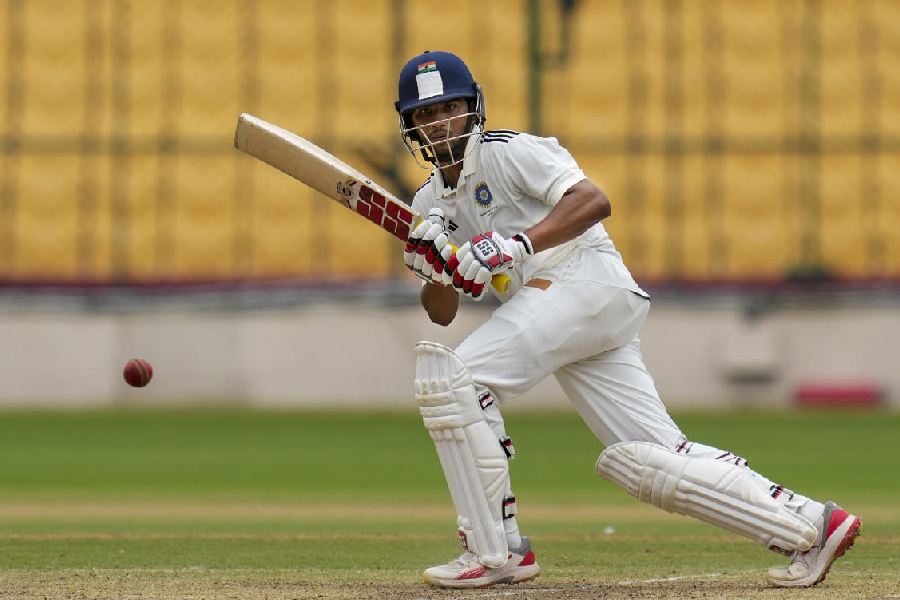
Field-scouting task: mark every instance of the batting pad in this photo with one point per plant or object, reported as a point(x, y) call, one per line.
point(474, 463)
point(713, 491)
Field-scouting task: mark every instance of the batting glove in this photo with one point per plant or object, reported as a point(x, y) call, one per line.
point(428, 249)
point(500, 254)
point(478, 260)
point(469, 276)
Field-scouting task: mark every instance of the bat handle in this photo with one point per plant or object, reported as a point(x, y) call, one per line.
point(501, 282)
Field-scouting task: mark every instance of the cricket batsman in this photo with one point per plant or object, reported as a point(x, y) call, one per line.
point(519, 205)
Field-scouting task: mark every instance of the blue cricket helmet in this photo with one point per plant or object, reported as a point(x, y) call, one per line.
point(434, 77)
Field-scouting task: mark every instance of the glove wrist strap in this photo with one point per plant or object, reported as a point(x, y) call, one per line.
point(526, 243)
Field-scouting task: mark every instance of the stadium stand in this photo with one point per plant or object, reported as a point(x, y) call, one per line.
point(741, 142)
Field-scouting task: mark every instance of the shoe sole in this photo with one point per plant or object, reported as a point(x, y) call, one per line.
point(529, 573)
point(847, 540)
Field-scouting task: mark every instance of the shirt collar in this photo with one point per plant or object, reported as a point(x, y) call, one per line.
point(473, 147)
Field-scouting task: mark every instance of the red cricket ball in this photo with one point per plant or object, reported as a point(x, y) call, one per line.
point(137, 372)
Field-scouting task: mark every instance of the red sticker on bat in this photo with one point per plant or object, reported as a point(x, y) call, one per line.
point(386, 213)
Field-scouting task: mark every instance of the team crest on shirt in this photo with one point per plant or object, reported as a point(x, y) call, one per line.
point(483, 196)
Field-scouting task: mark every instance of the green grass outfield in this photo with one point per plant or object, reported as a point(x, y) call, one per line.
point(240, 504)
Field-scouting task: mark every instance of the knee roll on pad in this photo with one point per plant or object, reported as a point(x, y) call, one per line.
point(473, 461)
point(717, 492)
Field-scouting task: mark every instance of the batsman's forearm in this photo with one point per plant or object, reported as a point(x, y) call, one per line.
point(440, 302)
point(580, 207)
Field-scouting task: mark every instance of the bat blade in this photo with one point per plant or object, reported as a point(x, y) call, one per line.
point(292, 154)
point(306, 162)
point(324, 172)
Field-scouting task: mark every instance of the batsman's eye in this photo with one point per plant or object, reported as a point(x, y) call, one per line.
point(436, 112)
point(423, 115)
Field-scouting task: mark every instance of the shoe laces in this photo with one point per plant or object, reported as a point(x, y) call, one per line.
point(464, 560)
point(803, 556)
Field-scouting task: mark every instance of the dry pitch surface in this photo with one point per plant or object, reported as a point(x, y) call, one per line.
point(134, 584)
point(626, 563)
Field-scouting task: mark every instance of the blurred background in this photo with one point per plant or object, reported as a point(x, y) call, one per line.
point(749, 150)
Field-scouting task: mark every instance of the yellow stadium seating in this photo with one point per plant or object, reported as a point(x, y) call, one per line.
point(736, 140)
point(47, 231)
point(53, 65)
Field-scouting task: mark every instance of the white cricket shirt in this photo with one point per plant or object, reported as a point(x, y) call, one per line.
point(509, 182)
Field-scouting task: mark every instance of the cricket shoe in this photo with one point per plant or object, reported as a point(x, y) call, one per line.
point(839, 531)
point(467, 572)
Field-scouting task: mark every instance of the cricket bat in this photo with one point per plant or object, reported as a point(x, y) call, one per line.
point(325, 173)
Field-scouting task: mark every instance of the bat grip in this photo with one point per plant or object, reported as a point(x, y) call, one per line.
point(501, 282)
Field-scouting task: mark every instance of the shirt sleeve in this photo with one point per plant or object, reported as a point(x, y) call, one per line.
point(541, 168)
point(422, 201)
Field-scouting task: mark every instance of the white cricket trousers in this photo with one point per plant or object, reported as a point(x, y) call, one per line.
point(585, 334)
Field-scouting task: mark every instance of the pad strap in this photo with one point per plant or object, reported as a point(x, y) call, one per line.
point(509, 507)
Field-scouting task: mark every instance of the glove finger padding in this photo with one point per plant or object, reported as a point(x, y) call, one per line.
point(442, 273)
point(436, 215)
point(434, 254)
point(425, 244)
point(470, 274)
point(412, 243)
point(479, 283)
point(428, 248)
point(459, 263)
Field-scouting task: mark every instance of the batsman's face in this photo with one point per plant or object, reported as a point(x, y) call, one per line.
point(441, 126)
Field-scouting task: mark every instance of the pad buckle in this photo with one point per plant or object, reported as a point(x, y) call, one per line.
point(509, 507)
point(463, 540)
point(508, 448)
